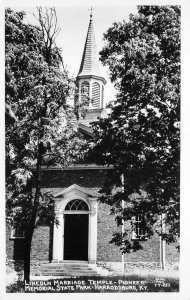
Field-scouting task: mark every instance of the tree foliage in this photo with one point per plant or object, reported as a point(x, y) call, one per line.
point(141, 136)
point(43, 133)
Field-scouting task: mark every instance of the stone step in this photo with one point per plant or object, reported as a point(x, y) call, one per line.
point(65, 270)
point(65, 266)
point(62, 269)
point(70, 262)
point(65, 274)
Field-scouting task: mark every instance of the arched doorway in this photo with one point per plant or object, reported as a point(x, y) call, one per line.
point(76, 230)
point(75, 200)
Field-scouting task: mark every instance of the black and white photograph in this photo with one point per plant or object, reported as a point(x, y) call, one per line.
point(92, 149)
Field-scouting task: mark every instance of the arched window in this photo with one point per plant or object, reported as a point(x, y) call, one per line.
point(96, 94)
point(76, 205)
point(85, 88)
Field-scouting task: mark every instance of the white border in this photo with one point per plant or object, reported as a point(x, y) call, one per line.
point(185, 152)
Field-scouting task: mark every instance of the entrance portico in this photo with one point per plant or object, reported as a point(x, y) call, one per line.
point(75, 238)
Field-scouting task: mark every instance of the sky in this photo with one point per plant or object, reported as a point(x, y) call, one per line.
point(73, 22)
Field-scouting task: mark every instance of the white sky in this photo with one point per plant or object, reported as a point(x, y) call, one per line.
point(74, 21)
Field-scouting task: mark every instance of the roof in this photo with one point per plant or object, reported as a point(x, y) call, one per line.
point(85, 129)
point(90, 61)
point(92, 115)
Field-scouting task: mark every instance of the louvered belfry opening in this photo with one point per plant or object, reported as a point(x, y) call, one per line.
point(102, 102)
point(96, 94)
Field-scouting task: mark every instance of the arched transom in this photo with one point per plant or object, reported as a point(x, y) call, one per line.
point(77, 204)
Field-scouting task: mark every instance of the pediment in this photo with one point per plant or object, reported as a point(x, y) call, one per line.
point(76, 189)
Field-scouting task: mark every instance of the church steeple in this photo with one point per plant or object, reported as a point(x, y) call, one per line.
point(89, 76)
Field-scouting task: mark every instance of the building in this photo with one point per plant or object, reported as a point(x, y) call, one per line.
point(85, 225)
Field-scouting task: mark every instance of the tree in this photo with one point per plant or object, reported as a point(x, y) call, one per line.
point(9, 115)
point(141, 136)
point(43, 133)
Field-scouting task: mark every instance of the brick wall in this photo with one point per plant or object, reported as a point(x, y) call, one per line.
point(94, 180)
point(106, 227)
point(42, 244)
point(172, 254)
point(89, 178)
point(109, 252)
point(14, 247)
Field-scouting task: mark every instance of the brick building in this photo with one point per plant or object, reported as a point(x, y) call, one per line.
point(86, 226)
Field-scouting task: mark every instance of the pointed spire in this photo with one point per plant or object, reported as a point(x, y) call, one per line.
point(90, 61)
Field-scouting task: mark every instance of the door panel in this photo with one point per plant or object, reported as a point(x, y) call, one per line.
point(76, 237)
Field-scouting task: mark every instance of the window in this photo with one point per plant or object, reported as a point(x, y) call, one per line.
point(17, 233)
point(139, 228)
point(76, 205)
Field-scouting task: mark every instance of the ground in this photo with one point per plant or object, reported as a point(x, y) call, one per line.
point(138, 280)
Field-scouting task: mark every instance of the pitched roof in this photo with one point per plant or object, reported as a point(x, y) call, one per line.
point(90, 61)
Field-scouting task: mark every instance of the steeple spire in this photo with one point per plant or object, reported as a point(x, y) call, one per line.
point(89, 76)
point(90, 61)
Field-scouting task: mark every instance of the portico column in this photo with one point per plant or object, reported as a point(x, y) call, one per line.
point(58, 238)
point(93, 233)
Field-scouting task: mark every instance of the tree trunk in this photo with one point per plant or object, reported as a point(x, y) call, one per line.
point(27, 248)
point(31, 226)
